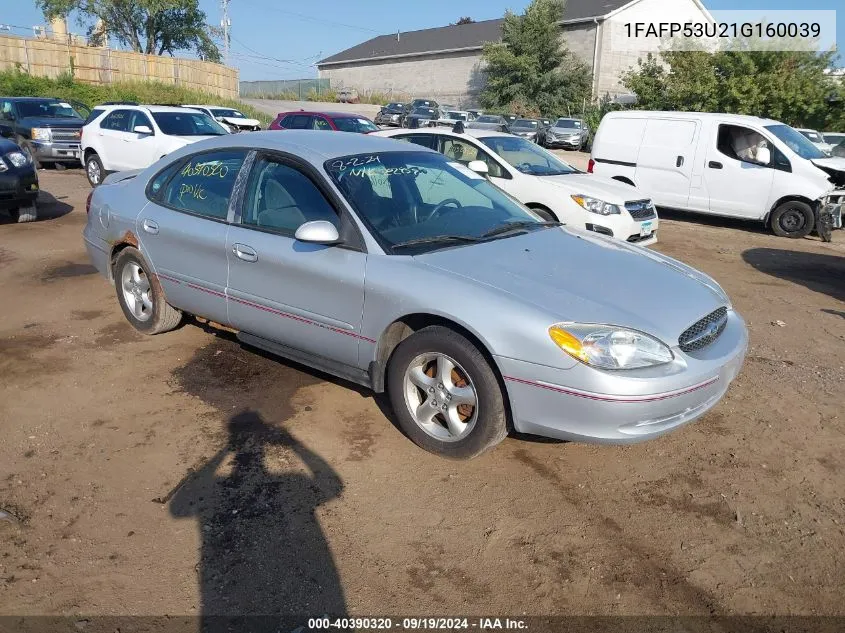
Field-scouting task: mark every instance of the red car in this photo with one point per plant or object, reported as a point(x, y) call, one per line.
point(330, 121)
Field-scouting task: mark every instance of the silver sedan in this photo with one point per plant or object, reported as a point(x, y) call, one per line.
point(391, 266)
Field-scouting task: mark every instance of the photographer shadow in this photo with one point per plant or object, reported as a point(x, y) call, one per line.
point(263, 552)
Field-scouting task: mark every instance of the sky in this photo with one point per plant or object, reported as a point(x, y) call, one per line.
point(278, 39)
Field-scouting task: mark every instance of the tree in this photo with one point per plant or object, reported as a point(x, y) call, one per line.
point(531, 67)
point(790, 86)
point(465, 20)
point(146, 26)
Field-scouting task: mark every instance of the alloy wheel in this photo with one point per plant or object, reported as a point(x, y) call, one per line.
point(136, 291)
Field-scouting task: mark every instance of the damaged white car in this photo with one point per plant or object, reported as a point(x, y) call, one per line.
point(724, 164)
point(233, 120)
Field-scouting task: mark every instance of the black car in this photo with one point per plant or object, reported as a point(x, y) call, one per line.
point(391, 114)
point(18, 182)
point(421, 117)
point(47, 129)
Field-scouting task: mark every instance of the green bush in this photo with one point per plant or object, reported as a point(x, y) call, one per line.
point(16, 83)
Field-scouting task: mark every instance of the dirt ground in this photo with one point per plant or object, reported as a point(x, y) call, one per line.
point(184, 474)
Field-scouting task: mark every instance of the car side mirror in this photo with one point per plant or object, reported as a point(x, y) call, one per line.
point(764, 156)
point(318, 232)
point(142, 129)
point(479, 167)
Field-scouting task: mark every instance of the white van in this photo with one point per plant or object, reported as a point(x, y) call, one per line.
point(722, 164)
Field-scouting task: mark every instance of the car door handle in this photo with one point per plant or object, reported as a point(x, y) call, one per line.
point(245, 253)
point(150, 227)
point(679, 162)
point(714, 165)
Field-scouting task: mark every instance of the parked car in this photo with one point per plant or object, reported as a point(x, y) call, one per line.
point(391, 115)
point(475, 113)
point(422, 103)
point(510, 118)
point(231, 119)
point(839, 150)
point(567, 133)
point(722, 164)
point(817, 139)
point(489, 122)
point(323, 257)
point(18, 182)
point(46, 129)
point(834, 138)
point(421, 117)
point(326, 121)
point(527, 128)
point(123, 137)
point(348, 95)
point(541, 181)
point(448, 118)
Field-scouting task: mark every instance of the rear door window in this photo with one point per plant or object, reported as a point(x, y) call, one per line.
point(203, 185)
point(117, 121)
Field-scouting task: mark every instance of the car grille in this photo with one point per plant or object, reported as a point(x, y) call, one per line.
point(705, 331)
point(641, 209)
point(66, 134)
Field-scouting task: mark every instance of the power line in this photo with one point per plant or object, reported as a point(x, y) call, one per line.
point(276, 59)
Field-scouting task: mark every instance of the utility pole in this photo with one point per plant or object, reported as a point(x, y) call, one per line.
point(226, 26)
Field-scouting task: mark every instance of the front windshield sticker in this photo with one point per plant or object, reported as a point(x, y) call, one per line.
point(65, 105)
point(466, 171)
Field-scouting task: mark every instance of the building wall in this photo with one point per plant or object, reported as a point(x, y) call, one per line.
point(619, 53)
point(580, 39)
point(453, 78)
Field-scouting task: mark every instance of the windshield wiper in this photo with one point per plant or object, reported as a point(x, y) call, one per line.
point(437, 239)
point(521, 226)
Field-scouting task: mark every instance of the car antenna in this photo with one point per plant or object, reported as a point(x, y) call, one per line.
point(459, 127)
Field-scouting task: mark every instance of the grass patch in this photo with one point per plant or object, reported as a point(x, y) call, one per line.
point(21, 84)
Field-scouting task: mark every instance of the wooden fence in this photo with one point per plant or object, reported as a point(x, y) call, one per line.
point(52, 57)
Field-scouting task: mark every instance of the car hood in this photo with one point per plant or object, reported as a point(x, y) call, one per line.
point(835, 168)
point(485, 126)
point(611, 191)
point(240, 122)
point(42, 121)
point(578, 276)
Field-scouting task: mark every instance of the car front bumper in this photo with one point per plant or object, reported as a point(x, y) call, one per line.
point(578, 404)
point(624, 227)
point(564, 141)
point(18, 187)
point(56, 151)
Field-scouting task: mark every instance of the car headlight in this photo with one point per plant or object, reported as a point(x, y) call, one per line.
point(18, 159)
point(40, 134)
point(609, 346)
point(594, 205)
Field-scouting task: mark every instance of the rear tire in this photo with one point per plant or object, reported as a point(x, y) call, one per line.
point(445, 395)
point(140, 295)
point(94, 170)
point(793, 219)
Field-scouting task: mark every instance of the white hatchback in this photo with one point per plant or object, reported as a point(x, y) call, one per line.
point(541, 181)
point(120, 137)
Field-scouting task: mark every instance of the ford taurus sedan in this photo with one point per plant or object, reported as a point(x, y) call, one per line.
point(392, 266)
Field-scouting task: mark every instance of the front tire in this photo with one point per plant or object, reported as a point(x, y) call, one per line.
point(94, 170)
point(140, 295)
point(793, 219)
point(446, 396)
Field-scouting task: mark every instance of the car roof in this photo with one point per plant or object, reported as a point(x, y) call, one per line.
point(149, 108)
point(644, 114)
point(31, 98)
point(470, 133)
point(315, 146)
point(330, 114)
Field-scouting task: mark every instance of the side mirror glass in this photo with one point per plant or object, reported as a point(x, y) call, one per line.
point(318, 232)
point(142, 129)
point(764, 155)
point(479, 167)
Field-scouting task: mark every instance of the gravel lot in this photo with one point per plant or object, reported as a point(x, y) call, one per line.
point(184, 474)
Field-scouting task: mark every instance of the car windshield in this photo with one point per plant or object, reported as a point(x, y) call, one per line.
point(796, 141)
point(487, 118)
point(47, 109)
point(457, 116)
point(187, 124)
point(419, 201)
point(568, 123)
point(394, 107)
point(834, 139)
point(525, 124)
point(429, 112)
point(355, 124)
point(527, 157)
point(228, 112)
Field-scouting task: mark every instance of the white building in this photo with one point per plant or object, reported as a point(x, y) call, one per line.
point(445, 63)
